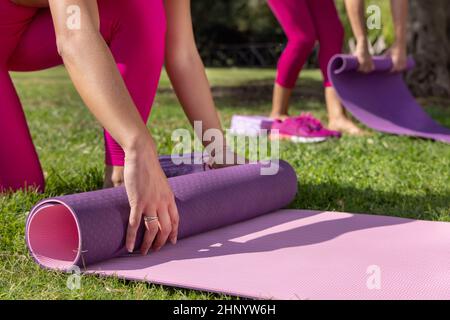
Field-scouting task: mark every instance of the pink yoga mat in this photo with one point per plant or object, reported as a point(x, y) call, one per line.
point(295, 254)
point(234, 240)
point(381, 100)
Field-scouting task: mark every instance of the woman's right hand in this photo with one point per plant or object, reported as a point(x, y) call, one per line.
point(364, 58)
point(94, 72)
point(149, 195)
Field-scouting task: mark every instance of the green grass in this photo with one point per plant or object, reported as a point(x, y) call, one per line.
point(377, 173)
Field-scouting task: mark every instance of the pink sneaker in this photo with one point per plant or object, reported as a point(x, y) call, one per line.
point(315, 123)
point(303, 129)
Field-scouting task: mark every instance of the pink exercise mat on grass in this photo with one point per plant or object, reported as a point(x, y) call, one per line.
point(295, 254)
point(234, 240)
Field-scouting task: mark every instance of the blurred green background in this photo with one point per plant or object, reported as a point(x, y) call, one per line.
point(244, 22)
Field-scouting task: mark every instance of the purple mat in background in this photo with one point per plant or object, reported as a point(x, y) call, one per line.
point(381, 99)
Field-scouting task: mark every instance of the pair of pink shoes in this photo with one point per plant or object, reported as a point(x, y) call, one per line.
point(302, 129)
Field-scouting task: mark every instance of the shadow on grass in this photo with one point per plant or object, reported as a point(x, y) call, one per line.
point(337, 197)
point(257, 92)
point(261, 90)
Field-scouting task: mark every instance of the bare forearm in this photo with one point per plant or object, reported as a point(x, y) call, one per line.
point(102, 89)
point(400, 18)
point(185, 67)
point(93, 71)
point(192, 88)
point(355, 11)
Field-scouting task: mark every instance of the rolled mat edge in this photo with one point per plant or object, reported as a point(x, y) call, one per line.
point(82, 229)
point(343, 62)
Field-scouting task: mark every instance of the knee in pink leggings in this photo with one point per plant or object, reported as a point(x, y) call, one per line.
point(134, 31)
point(305, 22)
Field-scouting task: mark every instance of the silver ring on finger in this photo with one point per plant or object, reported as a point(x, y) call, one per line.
point(150, 218)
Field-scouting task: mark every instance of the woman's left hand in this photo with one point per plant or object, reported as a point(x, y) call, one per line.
point(225, 158)
point(399, 58)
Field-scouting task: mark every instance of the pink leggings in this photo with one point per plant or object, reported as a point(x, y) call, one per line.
point(305, 22)
point(135, 33)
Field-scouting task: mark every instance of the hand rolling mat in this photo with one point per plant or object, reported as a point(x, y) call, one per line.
point(86, 228)
point(381, 99)
point(188, 163)
point(234, 241)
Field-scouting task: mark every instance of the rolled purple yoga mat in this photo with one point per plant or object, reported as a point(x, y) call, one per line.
point(87, 228)
point(381, 100)
point(191, 163)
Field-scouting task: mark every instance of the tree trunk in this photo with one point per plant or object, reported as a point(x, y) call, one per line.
point(428, 41)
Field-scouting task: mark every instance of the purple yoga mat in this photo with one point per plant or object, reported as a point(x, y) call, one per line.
point(86, 228)
point(189, 163)
point(234, 240)
point(381, 99)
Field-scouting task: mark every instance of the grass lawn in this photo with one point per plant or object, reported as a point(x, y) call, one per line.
point(376, 173)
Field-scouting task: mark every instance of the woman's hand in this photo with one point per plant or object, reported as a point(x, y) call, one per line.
point(150, 196)
point(355, 12)
point(96, 77)
point(364, 58)
point(225, 158)
point(399, 58)
point(398, 51)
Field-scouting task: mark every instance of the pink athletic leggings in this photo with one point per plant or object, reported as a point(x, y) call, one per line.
point(305, 22)
point(134, 31)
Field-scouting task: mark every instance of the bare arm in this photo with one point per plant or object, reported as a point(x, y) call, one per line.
point(92, 69)
point(355, 11)
point(185, 67)
point(400, 18)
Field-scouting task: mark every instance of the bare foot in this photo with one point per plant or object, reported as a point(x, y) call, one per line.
point(280, 102)
point(281, 117)
point(337, 116)
point(345, 125)
point(113, 177)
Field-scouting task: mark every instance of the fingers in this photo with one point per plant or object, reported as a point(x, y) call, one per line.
point(365, 61)
point(366, 67)
point(157, 231)
point(175, 220)
point(133, 225)
point(398, 67)
point(165, 228)
point(152, 228)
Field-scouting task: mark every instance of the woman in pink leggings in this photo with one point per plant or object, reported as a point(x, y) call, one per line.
point(131, 32)
point(113, 52)
point(305, 22)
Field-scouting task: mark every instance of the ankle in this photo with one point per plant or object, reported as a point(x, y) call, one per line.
point(337, 118)
point(281, 116)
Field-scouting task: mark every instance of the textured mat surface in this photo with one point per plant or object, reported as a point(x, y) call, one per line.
point(85, 228)
point(294, 254)
point(381, 99)
point(234, 240)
